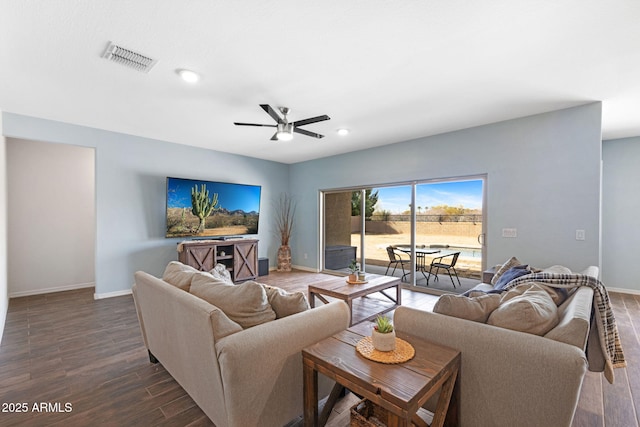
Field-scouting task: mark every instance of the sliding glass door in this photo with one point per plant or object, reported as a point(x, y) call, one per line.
point(381, 229)
point(339, 228)
point(449, 218)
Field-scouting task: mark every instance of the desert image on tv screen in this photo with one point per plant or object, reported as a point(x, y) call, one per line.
point(208, 209)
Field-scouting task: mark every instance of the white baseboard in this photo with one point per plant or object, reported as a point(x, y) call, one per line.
point(51, 290)
point(303, 268)
point(624, 291)
point(112, 294)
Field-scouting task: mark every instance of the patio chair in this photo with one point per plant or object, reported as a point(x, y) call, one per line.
point(396, 259)
point(421, 264)
point(446, 262)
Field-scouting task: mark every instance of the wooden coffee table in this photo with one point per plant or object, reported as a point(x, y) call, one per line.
point(340, 289)
point(399, 388)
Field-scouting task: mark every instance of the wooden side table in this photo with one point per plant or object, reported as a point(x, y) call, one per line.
point(399, 388)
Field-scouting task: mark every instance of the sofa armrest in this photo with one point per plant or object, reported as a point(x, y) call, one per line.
point(592, 271)
point(574, 319)
point(262, 366)
point(506, 377)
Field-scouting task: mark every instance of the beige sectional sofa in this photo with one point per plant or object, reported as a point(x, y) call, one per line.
point(250, 377)
point(510, 378)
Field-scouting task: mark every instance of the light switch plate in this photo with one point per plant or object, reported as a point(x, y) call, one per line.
point(580, 235)
point(509, 232)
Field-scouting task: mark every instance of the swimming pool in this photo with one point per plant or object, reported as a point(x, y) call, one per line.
point(465, 252)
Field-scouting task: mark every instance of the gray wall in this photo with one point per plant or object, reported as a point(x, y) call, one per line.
point(51, 217)
point(130, 193)
point(620, 209)
point(543, 179)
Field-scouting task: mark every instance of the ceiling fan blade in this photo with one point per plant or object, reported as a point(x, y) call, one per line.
point(274, 137)
point(270, 111)
point(311, 120)
point(306, 132)
point(253, 124)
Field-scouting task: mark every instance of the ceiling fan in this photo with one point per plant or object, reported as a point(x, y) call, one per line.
point(284, 128)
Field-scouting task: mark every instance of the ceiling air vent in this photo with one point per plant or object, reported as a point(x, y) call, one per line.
point(127, 57)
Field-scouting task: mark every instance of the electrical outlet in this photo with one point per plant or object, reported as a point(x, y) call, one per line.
point(580, 235)
point(509, 232)
point(305, 255)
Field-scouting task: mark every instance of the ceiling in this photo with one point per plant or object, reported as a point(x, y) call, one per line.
point(388, 71)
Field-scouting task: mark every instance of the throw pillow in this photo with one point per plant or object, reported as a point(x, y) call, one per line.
point(179, 275)
point(532, 311)
point(285, 303)
point(556, 269)
point(220, 272)
point(511, 262)
point(510, 274)
point(245, 304)
point(559, 295)
point(222, 325)
point(476, 309)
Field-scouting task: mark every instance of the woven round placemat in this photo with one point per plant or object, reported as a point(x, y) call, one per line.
point(403, 352)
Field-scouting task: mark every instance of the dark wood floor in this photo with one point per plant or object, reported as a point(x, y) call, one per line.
point(66, 348)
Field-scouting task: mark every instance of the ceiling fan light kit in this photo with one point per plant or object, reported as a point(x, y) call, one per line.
point(284, 128)
point(285, 132)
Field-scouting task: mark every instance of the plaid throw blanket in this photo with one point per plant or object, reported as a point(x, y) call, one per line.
point(605, 321)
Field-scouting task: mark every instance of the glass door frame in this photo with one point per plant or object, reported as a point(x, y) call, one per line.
point(413, 225)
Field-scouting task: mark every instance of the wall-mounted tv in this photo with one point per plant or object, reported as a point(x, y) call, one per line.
point(197, 208)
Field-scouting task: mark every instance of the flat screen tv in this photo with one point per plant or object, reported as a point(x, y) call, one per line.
point(197, 208)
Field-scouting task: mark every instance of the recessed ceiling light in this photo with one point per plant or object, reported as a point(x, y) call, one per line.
point(188, 75)
point(343, 132)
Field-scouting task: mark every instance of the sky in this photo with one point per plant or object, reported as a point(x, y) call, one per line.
point(230, 196)
point(455, 193)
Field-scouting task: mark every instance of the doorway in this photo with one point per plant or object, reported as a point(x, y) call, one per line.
point(51, 217)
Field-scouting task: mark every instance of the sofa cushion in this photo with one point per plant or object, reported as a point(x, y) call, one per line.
point(510, 274)
point(245, 304)
point(511, 262)
point(222, 325)
point(558, 295)
point(285, 303)
point(532, 311)
point(476, 308)
point(179, 275)
point(220, 272)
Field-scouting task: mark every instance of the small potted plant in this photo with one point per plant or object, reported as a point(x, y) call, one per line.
point(383, 336)
point(353, 268)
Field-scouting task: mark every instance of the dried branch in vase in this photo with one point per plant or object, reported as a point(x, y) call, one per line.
point(285, 213)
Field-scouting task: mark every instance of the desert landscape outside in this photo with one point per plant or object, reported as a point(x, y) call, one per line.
point(447, 214)
point(453, 236)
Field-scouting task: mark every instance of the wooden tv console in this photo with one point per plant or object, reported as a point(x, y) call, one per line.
point(239, 255)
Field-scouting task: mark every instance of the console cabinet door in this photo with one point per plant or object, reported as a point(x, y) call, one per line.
point(245, 261)
point(199, 257)
point(239, 256)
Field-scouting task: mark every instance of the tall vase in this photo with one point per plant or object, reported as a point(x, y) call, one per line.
point(284, 258)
